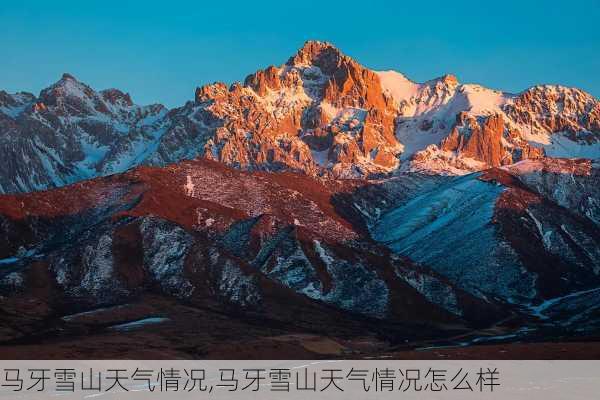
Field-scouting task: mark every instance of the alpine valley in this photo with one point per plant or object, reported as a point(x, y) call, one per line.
point(319, 209)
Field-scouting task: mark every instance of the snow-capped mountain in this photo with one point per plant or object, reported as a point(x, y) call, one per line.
point(451, 128)
point(70, 133)
point(320, 113)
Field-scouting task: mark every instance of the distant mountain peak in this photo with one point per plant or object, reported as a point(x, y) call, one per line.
point(67, 76)
point(322, 113)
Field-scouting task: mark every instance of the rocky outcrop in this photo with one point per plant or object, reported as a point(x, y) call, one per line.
point(264, 80)
point(480, 142)
point(554, 108)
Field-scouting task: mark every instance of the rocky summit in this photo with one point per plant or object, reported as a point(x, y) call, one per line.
point(316, 209)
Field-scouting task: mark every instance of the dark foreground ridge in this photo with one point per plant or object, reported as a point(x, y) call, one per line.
point(197, 259)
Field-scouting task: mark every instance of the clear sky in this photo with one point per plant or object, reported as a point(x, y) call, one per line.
point(160, 51)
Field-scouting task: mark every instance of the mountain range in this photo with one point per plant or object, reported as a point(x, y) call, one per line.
point(317, 209)
point(320, 113)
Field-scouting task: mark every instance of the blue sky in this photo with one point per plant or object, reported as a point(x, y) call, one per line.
point(160, 51)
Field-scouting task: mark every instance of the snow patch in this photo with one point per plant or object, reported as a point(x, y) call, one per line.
point(457, 215)
point(189, 186)
point(139, 324)
point(398, 86)
point(561, 146)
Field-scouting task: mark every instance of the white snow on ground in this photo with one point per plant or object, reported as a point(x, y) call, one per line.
point(352, 116)
point(541, 309)
point(435, 210)
point(50, 160)
point(165, 247)
point(535, 168)
point(13, 112)
point(429, 124)
point(561, 146)
point(281, 101)
point(570, 185)
point(139, 323)
point(135, 153)
point(433, 289)
point(71, 317)
point(94, 135)
point(94, 154)
point(437, 161)
point(536, 138)
point(544, 235)
point(397, 85)
point(329, 110)
point(413, 139)
point(354, 287)
point(525, 167)
point(189, 186)
point(429, 113)
point(98, 267)
point(295, 272)
point(482, 100)
point(238, 287)
point(457, 214)
point(326, 258)
point(21, 254)
point(22, 101)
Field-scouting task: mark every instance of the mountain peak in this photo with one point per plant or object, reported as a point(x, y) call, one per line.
point(314, 52)
point(67, 81)
point(67, 76)
point(115, 96)
point(449, 79)
point(66, 86)
point(316, 45)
